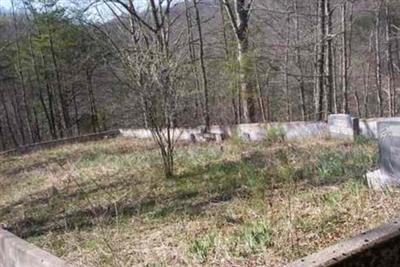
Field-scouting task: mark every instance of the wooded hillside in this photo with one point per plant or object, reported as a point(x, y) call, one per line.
point(71, 69)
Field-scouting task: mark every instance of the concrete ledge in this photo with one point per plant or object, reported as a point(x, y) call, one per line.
point(15, 252)
point(248, 132)
point(369, 127)
point(379, 247)
point(297, 130)
point(290, 130)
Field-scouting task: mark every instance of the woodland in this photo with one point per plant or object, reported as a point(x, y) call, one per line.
point(73, 67)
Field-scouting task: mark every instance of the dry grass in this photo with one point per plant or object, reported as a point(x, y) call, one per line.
point(107, 203)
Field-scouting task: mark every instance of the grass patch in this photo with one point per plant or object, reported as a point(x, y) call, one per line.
point(202, 247)
point(255, 235)
point(107, 203)
point(275, 135)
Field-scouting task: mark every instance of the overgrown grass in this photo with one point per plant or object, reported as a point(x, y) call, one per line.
point(107, 203)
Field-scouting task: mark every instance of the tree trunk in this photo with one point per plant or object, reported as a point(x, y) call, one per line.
point(286, 75)
point(8, 120)
point(192, 55)
point(378, 62)
point(239, 16)
point(206, 112)
point(64, 117)
point(17, 114)
point(345, 105)
point(47, 110)
point(321, 62)
point(367, 77)
point(246, 90)
point(2, 137)
point(261, 103)
point(92, 101)
point(329, 61)
point(21, 76)
point(299, 63)
point(235, 108)
point(334, 79)
point(389, 59)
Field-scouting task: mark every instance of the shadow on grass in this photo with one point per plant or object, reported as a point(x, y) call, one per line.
point(44, 211)
point(192, 191)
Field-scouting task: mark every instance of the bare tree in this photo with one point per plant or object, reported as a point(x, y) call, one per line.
point(239, 13)
point(206, 111)
point(329, 59)
point(321, 61)
point(153, 69)
point(389, 60)
point(378, 60)
point(345, 105)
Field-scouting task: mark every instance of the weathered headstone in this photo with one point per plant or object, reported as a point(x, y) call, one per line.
point(389, 156)
point(343, 126)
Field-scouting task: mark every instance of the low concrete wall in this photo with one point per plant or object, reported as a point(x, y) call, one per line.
point(54, 143)
point(343, 127)
point(289, 130)
point(15, 252)
point(302, 130)
point(369, 127)
point(250, 132)
point(182, 134)
point(379, 247)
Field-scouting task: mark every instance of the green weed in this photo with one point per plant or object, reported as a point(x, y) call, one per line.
point(202, 247)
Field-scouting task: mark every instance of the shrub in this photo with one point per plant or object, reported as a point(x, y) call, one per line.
point(362, 140)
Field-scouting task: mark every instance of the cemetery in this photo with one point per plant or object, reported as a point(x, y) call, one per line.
point(199, 133)
point(269, 197)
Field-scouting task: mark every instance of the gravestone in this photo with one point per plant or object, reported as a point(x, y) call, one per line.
point(389, 156)
point(343, 126)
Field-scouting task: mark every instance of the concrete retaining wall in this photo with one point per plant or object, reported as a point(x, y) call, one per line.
point(289, 130)
point(250, 132)
point(369, 127)
point(15, 252)
point(182, 134)
point(302, 130)
point(379, 247)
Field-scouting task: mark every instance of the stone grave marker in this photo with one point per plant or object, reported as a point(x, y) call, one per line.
point(389, 156)
point(343, 126)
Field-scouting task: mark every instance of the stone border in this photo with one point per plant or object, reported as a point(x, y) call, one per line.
point(15, 252)
point(247, 132)
point(296, 130)
point(369, 127)
point(379, 247)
